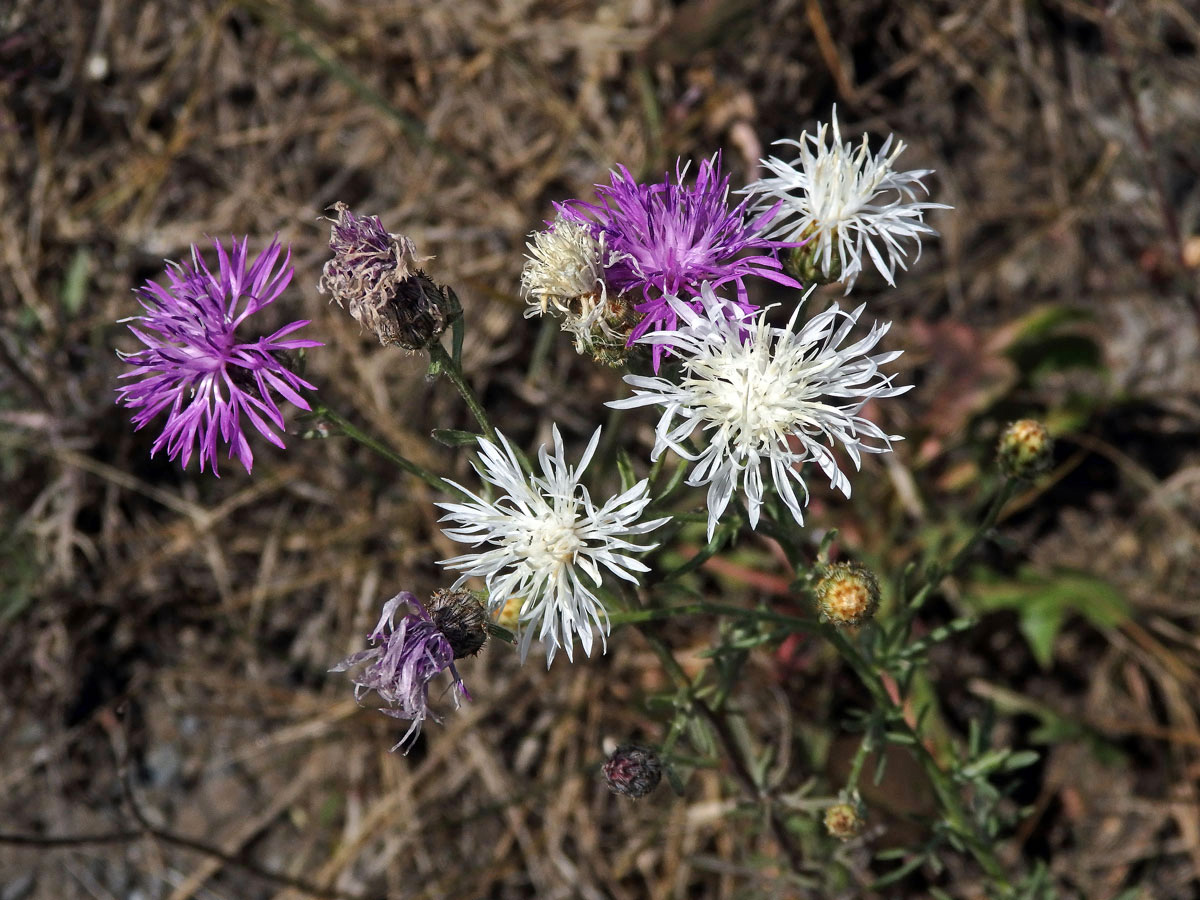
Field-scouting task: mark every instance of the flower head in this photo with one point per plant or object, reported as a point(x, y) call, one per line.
point(842, 203)
point(405, 657)
point(667, 239)
point(845, 819)
point(564, 269)
point(196, 368)
point(766, 396)
point(372, 274)
point(1025, 449)
point(546, 543)
point(847, 594)
point(632, 771)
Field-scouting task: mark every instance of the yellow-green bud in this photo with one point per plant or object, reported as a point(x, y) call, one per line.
point(845, 820)
point(1025, 449)
point(807, 263)
point(847, 594)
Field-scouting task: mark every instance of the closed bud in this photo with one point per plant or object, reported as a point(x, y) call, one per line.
point(1025, 449)
point(847, 594)
point(373, 275)
point(460, 616)
point(845, 820)
point(807, 265)
point(633, 771)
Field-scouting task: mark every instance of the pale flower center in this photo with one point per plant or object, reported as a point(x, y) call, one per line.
point(552, 539)
point(753, 398)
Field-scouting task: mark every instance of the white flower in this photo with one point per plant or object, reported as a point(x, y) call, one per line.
point(766, 396)
point(564, 269)
point(837, 199)
point(546, 542)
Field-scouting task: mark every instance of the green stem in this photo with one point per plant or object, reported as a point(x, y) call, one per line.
point(447, 366)
point(937, 573)
point(638, 616)
point(355, 433)
point(741, 769)
point(948, 795)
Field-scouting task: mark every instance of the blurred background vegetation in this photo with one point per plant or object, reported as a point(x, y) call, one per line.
point(186, 623)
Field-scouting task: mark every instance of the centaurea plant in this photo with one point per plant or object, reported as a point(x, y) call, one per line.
point(755, 398)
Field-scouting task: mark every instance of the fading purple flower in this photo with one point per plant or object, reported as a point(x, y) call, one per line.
point(667, 239)
point(195, 367)
point(408, 655)
point(373, 274)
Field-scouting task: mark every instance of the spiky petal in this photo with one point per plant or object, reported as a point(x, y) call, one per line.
point(401, 662)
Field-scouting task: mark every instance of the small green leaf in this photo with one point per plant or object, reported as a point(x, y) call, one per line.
point(1043, 603)
point(625, 468)
point(451, 437)
point(75, 282)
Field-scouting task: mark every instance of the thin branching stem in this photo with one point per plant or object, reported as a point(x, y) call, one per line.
point(352, 431)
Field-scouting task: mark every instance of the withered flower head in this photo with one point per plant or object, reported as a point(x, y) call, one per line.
point(373, 274)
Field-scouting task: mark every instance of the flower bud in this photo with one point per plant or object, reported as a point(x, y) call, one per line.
point(460, 616)
point(847, 594)
point(633, 771)
point(845, 820)
point(1025, 449)
point(372, 274)
point(807, 265)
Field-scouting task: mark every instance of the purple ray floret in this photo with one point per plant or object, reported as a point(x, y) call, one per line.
point(668, 239)
point(196, 368)
point(405, 658)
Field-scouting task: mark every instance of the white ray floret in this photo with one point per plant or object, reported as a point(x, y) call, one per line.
point(547, 543)
point(845, 202)
point(766, 397)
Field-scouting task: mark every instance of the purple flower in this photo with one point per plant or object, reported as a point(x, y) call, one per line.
point(409, 655)
point(670, 238)
point(195, 367)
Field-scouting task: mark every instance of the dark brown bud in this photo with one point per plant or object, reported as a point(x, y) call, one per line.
point(459, 615)
point(633, 771)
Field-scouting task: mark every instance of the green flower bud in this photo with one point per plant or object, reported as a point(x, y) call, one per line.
point(845, 820)
point(1025, 449)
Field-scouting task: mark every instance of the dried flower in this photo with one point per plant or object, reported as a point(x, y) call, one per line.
point(547, 541)
point(667, 239)
point(564, 270)
point(766, 396)
point(845, 820)
point(194, 367)
point(371, 274)
point(847, 594)
point(1026, 449)
point(407, 656)
point(633, 771)
point(835, 199)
